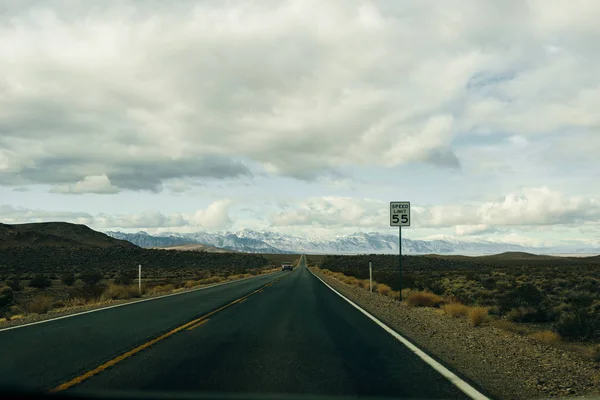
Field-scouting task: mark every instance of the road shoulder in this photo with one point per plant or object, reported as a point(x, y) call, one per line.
point(508, 366)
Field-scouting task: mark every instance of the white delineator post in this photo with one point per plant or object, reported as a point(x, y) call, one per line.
point(140, 278)
point(370, 277)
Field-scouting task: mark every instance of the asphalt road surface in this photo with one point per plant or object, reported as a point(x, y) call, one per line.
point(285, 333)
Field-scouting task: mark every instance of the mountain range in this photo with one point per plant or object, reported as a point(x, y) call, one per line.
point(251, 241)
point(57, 234)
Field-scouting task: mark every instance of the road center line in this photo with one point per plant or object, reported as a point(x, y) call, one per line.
point(199, 324)
point(199, 321)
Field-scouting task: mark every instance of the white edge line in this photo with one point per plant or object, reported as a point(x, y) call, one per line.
point(445, 372)
point(128, 303)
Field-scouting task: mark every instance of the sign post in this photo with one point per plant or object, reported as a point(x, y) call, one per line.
point(370, 277)
point(140, 278)
point(400, 216)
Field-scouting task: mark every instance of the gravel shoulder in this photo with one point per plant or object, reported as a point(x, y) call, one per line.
point(504, 364)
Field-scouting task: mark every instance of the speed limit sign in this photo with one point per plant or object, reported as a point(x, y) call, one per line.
point(400, 213)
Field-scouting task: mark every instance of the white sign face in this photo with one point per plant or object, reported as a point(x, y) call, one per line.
point(400, 213)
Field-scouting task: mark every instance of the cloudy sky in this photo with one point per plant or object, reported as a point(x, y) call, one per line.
point(303, 116)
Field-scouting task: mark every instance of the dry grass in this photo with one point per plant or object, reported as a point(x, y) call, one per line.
point(190, 284)
point(478, 315)
point(161, 289)
point(456, 309)
point(238, 277)
point(350, 280)
point(78, 302)
point(384, 289)
point(364, 284)
point(509, 326)
point(120, 292)
point(209, 280)
point(423, 299)
point(39, 304)
point(546, 337)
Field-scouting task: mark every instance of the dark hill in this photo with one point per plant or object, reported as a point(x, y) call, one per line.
point(56, 234)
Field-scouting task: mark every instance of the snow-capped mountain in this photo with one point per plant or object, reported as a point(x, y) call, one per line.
point(143, 239)
point(251, 241)
point(229, 241)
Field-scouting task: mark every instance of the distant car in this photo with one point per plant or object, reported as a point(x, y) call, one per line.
point(287, 267)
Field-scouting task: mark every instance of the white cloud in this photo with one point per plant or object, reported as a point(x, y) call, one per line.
point(214, 217)
point(462, 230)
point(529, 207)
point(332, 212)
point(191, 89)
point(90, 184)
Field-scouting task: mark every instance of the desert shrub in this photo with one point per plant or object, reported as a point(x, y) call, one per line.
point(503, 285)
point(494, 310)
point(526, 295)
point(488, 283)
point(408, 281)
point(509, 326)
point(125, 277)
point(574, 325)
point(580, 299)
point(471, 276)
point(116, 292)
point(40, 281)
point(6, 296)
point(383, 289)
point(68, 279)
point(424, 299)
point(190, 284)
point(14, 284)
point(59, 304)
point(437, 287)
point(89, 291)
point(77, 302)
point(39, 305)
point(477, 315)
point(363, 284)
point(394, 294)
point(546, 337)
point(210, 279)
point(350, 280)
point(595, 353)
point(91, 278)
point(161, 289)
point(516, 314)
point(455, 309)
point(15, 310)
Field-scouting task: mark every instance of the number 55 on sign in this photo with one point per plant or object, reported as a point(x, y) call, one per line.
point(400, 213)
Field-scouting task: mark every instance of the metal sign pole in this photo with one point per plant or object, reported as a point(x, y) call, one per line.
point(400, 216)
point(400, 262)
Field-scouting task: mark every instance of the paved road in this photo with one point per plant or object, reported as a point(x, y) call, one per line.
point(294, 336)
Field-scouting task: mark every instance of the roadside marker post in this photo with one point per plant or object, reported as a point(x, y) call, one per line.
point(370, 277)
point(400, 216)
point(140, 278)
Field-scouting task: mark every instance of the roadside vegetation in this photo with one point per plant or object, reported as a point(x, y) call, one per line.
point(552, 300)
point(79, 282)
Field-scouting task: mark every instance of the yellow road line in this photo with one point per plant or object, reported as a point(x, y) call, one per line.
point(116, 360)
point(198, 324)
point(242, 301)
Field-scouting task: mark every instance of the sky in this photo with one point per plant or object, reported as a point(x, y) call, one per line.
point(303, 117)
